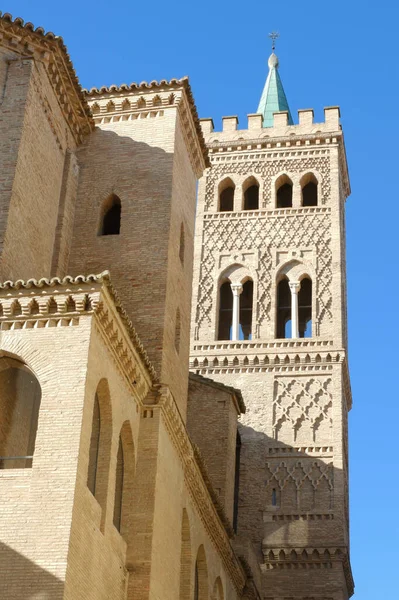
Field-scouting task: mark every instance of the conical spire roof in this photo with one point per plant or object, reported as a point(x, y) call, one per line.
point(273, 97)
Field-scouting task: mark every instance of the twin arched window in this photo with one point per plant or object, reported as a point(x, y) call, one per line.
point(250, 191)
point(294, 309)
point(20, 396)
point(110, 222)
point(235, 310)
point(284, 191)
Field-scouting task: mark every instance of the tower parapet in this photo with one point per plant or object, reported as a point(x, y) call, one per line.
point(269, 317)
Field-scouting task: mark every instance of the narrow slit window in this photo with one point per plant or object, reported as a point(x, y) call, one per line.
point(120, 467)
point(94, 447)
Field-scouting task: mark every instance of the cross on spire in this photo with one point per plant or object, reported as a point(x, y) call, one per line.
point(273, 36)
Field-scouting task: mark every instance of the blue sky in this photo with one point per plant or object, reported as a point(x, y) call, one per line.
point(330, 53)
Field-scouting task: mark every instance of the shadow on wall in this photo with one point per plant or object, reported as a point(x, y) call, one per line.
point(288, 509)
point(22, 579)
point(140, 176)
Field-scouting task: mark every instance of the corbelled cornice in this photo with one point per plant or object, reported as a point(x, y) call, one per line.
point(23, 39)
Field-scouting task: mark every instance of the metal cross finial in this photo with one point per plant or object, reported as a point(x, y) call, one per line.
point(273, 36)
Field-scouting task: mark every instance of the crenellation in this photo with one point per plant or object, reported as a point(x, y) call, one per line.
point(229, 124)
point(255, 122)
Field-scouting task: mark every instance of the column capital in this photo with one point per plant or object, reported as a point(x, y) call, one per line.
point(236, 288)
point(295, 286)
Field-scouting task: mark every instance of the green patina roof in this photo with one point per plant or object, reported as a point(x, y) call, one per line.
point(273, 97)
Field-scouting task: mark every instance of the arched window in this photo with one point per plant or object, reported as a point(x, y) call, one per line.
point(201, 576)
point(177, 330)
point(246, 300)
point(283, 309)
point(251, 194)
point(100, 447)
point(218, 590)
point(226, 195)
point(185, 559)
point(94, 447)
point(225, 311)
point(120, 471)
point(124, 481)
point(309, 190)
point(20, 396)
point(283, 192)
point(305, 308)
point(181, 245)
point(111, 216)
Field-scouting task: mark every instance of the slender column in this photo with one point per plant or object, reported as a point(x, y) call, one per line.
point(236, 288)
point(294, 287)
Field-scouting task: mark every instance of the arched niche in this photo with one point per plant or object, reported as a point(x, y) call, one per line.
point(20, 397)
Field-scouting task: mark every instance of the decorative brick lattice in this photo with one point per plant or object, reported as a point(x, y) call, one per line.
point(266, 233)
point(302, 410)
point(302, 485)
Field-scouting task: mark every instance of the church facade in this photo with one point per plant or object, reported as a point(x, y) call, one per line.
point(138, 460)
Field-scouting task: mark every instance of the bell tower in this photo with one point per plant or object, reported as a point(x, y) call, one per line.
point(269, 317)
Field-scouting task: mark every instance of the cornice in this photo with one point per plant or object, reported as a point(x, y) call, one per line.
point(307, 558)
point(186, 105)
point(280, 143)
point(51, 295)
point(49, 49)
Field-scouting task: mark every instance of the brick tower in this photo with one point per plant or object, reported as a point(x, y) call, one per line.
point(269, 317)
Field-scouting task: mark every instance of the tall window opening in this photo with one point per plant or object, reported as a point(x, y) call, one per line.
point(124, 482)
point(111, 220)
point(196, 582)
point(309, 190)
point(201, 576)
point(283, 309)
point(20, 396)
point(177, 330)
point(251, 195)
point(225, 311)
point(246, 299)
point(181, 245)
point(94, 447)
point(119, 476)
point(305, 308)
point(185, 560)
point(284, 192)
point(100, 447)
point(226, 195)
point(236, 481)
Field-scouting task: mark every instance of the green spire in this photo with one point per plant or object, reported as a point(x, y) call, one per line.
point(273, 97)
